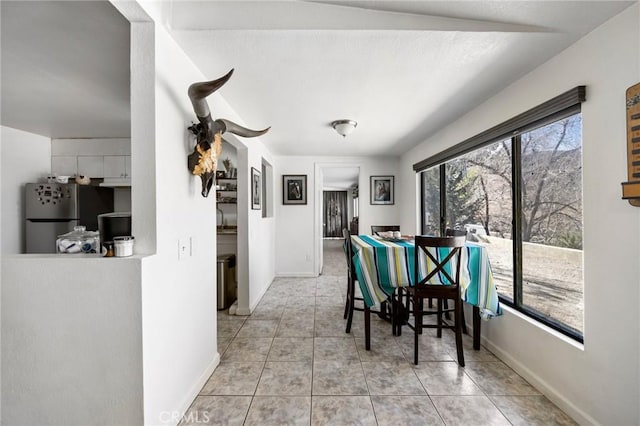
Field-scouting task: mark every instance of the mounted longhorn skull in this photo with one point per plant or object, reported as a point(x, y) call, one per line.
point(203, 161)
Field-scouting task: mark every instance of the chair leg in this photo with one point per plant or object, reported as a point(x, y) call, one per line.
point(417, 329)
point(367, 328)
point(421, 309)
point(407, 305)
point(446, 307)
point(439, 302)
point(399, 324)
point(464, 323)
point(394, 312)
point(351, 307)
point(346, 303)
point(458, 329)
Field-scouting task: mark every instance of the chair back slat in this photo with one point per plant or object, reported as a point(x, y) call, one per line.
point(451, 260)
point(384, 228)
point(443, 257)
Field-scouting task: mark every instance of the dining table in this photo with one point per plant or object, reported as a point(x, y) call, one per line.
point(384, 264)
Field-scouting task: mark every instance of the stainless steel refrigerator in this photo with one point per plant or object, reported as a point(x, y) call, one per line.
point(53, 209)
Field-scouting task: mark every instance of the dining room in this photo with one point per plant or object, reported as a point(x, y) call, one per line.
point(557, 363)
point(540, 203)
point(295, 344)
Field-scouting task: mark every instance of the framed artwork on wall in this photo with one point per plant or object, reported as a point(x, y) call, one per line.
point(294, 189)
point(382, 190)
point(256, 189)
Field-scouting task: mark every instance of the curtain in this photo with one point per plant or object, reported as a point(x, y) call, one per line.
point(335, 213)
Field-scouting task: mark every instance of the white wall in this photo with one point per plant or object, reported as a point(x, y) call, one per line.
point(597, 383)
point(26, 157)
point(179, 300)
point(71, 340)
point(178, 296)
point(296, 247)
point(1, 256)
point(256, 235)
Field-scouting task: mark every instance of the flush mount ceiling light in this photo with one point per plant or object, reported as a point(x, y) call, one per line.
point(344, 127)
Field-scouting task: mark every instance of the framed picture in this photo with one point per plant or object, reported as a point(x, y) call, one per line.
point(294, 189)
point(382, 190)
point(256, 189)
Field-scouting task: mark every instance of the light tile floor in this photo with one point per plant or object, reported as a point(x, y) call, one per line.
point(291, 362)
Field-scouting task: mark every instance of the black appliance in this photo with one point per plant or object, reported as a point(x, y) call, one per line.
point(53, 209)
point(114, 225)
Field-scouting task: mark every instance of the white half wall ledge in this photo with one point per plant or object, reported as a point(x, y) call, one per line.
point(90, 323)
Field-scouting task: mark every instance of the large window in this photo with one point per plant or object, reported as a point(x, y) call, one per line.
point(520, 197)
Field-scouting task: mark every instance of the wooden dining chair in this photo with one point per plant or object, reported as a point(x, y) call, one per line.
point(444, 270)
point(384, 228)
point(454, 233)
point(352, 282)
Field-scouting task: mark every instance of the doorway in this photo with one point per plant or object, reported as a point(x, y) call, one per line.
point(334, 177)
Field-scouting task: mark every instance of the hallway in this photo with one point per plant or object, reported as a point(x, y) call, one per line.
point(291, 362)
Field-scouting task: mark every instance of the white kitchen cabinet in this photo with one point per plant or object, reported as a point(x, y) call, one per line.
point(64, 165)
point(127, 166)
point(91, 165)
point(115, 166)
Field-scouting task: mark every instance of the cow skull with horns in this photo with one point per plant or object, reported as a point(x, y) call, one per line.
point(203, 161)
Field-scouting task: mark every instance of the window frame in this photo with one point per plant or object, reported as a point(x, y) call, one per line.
point(556, 109)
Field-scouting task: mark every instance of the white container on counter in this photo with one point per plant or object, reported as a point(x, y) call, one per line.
point(123, 246)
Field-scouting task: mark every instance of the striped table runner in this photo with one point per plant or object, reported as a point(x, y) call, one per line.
point(383, 265)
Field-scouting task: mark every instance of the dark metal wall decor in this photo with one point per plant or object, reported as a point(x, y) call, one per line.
point(203, 161)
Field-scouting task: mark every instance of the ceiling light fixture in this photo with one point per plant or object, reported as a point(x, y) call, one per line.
point(344, 127)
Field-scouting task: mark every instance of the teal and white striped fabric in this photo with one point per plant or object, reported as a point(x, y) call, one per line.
point(382, 265)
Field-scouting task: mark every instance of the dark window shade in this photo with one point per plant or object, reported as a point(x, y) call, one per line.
point(560, 107)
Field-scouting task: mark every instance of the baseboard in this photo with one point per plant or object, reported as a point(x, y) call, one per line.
point(540, 384)
point(247, 311)
point(242, 311)
point(195, 389)
point(250, 309)
point(296, 275)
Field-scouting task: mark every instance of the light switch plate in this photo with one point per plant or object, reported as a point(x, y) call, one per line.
point(184, 248)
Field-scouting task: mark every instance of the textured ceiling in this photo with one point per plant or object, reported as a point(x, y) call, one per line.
point(401, 69)
point(65, 69)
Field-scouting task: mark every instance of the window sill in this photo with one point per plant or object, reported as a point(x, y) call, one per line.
point(542, 327)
